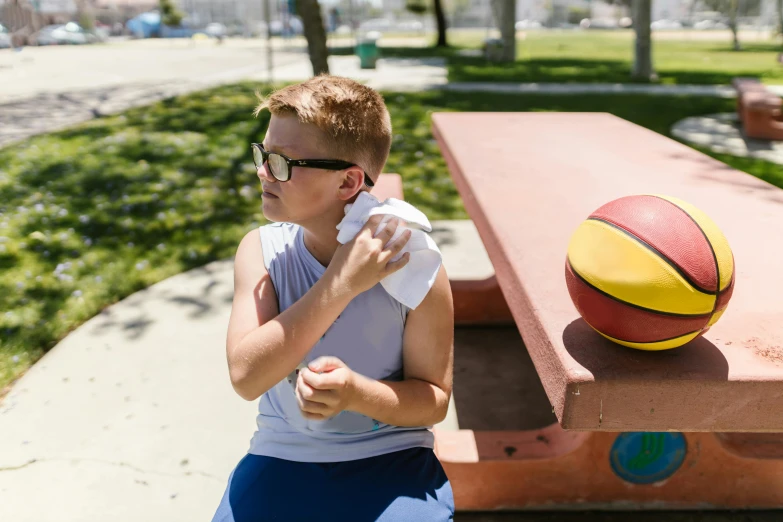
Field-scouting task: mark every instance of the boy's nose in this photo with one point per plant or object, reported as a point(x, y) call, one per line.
point(263, 173)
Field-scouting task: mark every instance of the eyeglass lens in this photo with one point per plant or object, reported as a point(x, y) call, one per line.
point(277, 164)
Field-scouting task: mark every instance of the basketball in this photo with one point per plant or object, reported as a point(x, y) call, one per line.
point(649, 272)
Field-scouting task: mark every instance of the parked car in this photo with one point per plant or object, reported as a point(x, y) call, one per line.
point(46, 36)
point(65, 34)
point(295, 27)
point(5, 37)
point(522, 25)
point(710, 25)
point(216, 30)
point(666, 25)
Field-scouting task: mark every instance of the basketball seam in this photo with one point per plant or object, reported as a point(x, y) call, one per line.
point(653, 342)
point(714, 256)
point(657, 253)
point(638, 307)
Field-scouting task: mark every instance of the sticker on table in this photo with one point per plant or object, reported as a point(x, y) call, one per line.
point(647, 457)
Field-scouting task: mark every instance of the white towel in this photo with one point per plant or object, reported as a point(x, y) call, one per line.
point(410, 284)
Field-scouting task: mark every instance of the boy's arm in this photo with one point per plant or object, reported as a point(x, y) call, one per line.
point(262, 345)
point(422, 399)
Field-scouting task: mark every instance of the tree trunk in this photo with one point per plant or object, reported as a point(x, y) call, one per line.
point(642, 64)
point(780, 16)
point(313, 25)
point(733, 20)
point(505, 17)
point(269, 53)
point(84, 15)
point(440, 20)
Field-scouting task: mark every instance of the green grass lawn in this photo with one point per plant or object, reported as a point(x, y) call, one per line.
point(95, 213)
point(604, 56)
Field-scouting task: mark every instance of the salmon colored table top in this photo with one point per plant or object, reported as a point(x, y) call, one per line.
point(529, 179)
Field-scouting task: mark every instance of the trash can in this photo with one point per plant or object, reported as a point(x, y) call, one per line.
point(367, 49)
point(493, 49)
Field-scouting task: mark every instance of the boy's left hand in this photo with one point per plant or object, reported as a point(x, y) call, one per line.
point(324, 388)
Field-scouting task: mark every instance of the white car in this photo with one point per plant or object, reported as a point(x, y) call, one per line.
point(521, 25)
point(377, 24)
point(5, 37)
point(708, 25)
point(665, 25)
point(216, 30)
point(67, 34)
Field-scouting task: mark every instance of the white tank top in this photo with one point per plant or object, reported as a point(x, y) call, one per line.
point(367, 336)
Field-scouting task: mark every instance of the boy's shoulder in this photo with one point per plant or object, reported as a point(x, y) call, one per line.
point(277, 237)
point(274, 231)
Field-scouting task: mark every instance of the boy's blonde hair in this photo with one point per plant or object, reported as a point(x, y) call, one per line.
point(352, 116)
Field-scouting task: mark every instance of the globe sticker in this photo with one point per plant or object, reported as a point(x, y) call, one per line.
point(647, 457)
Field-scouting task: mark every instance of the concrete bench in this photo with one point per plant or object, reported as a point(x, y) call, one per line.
point(712, 408)
point(758, 109)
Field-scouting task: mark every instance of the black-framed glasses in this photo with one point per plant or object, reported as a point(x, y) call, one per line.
point(281, 165)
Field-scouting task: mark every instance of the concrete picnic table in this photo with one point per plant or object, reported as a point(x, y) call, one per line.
point(710, 408)
point(529, 179)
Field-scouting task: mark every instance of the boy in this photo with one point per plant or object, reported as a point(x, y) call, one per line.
point(349, 379)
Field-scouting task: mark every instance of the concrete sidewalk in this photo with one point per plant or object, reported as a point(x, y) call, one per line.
point(132, 416)
point(39, 91)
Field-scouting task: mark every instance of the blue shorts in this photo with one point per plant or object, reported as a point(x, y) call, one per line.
point(404, 486)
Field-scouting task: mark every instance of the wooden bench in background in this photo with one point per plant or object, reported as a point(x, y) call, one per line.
point(758, 109)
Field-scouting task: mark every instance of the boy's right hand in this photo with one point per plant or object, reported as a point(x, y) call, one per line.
point(363, 262)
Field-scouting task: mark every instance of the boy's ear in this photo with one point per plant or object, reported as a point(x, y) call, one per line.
point(352, 183)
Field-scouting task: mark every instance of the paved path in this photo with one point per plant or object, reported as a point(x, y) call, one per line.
point(50, 88)
point(131, 417)
point(722, 133)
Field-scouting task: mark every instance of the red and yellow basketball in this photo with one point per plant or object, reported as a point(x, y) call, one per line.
point(649, 272)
